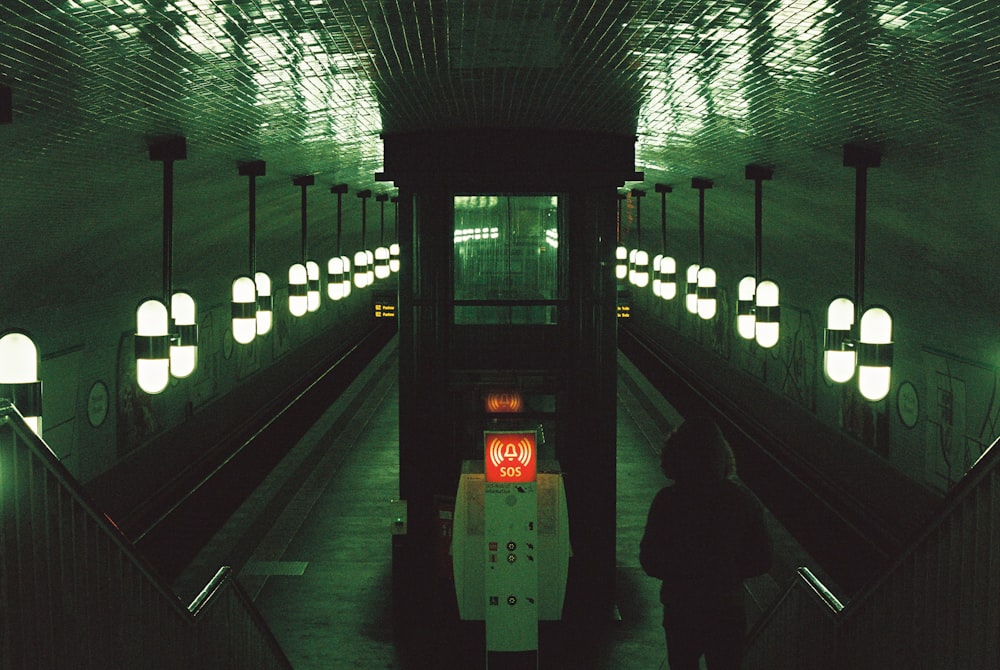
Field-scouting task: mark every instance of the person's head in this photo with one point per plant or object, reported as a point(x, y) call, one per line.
point(697, 452)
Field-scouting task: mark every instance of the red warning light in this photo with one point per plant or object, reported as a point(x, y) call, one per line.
point(504, 402)
point(510, 457)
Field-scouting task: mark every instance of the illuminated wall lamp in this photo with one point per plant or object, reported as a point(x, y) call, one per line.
point(335, 266)
point(621, 262)
point(657, 282)
point(394, 257)
point(243, 309)
point(707, 293)
point(335, 278)
point(184, 348)
point(346, 283)
point(303, 291)
point(19, 377)
point(767, 313)
point(872, 351)
point(252, 305)
point(298, 289)
point(166, 341)
point(152, 346)
point(394, 247)
point(361, 268)
point(758, 314)
point(621, 251)
point(639, 274)
point(691, 288)
point(839, 359)
point(381, 256)
point(746, 322)
point(875, 353)
point(264, 317)
point(705, 277)
point(666, 270)
point(312, 279)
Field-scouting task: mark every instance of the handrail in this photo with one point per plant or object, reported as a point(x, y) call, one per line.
point(910, 617)
point(819, 588)
point(75, 593)
point(984, 466)
point(210, 591)
point(806, 582)
point(223, 583)
point(10, 416)
point(799, 631)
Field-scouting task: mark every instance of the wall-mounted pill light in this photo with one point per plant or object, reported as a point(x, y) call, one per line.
point(19, 381)
point(252, 304)
point(394, 247)
point(705, 277)
point(666, 270)
point(639, 267)
point(303, 286)
point(361, 257)
point(758, 314)
point(871, 349)
point(152, 345)
point(381, 255)
point(335, 269)
point(166, 338)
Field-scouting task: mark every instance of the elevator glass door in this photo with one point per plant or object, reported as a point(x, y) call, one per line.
point(507, 263)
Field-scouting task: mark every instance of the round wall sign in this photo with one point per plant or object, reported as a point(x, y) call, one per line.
point(907, 404)
point(97, 404)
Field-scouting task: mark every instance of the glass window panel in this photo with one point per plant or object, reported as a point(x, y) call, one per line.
point(506, 252)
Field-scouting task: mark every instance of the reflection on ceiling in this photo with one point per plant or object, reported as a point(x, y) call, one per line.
point(322, 79)
point(309, 85)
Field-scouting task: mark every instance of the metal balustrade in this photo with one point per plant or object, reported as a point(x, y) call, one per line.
point(937, 606)
point(75, 594)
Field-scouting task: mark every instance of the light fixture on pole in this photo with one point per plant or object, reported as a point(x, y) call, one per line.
point(639, 272)
point(871, 351)
point(621, 252)
point(361, 268)
point(394, 247)
point(381, 251)
point(299, 279)
point(758, 314)
point(164, 349)
point(19, 381)
point(705, 279)
point(252, 307)
point(335, 269)
point(665, 270)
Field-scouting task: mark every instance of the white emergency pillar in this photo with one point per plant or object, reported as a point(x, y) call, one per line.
point(510, 544)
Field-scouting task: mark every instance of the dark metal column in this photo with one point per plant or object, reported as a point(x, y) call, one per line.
point(587, 452)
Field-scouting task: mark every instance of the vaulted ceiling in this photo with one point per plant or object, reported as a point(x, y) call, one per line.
point(706, 86)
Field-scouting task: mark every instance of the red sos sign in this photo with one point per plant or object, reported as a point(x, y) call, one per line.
point(510, 457)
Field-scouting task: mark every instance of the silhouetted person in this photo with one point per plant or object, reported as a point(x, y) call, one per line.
point(704, 536)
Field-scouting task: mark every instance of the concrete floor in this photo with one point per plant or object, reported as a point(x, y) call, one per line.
point(312, 545)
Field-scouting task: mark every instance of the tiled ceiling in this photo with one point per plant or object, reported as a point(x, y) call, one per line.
point(316, 81)
point(706, 85)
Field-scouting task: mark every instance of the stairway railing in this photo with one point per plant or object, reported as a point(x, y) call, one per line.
point(936, 607)
point(74, 593)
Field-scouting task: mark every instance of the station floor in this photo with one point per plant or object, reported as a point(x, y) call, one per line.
point(312, 544)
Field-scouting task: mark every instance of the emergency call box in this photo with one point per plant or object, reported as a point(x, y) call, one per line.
point(492, 517)
point(510, 457)
point(510, 554)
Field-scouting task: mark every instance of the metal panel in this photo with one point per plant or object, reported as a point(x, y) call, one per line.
point(936, 607)
point(74, 593)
